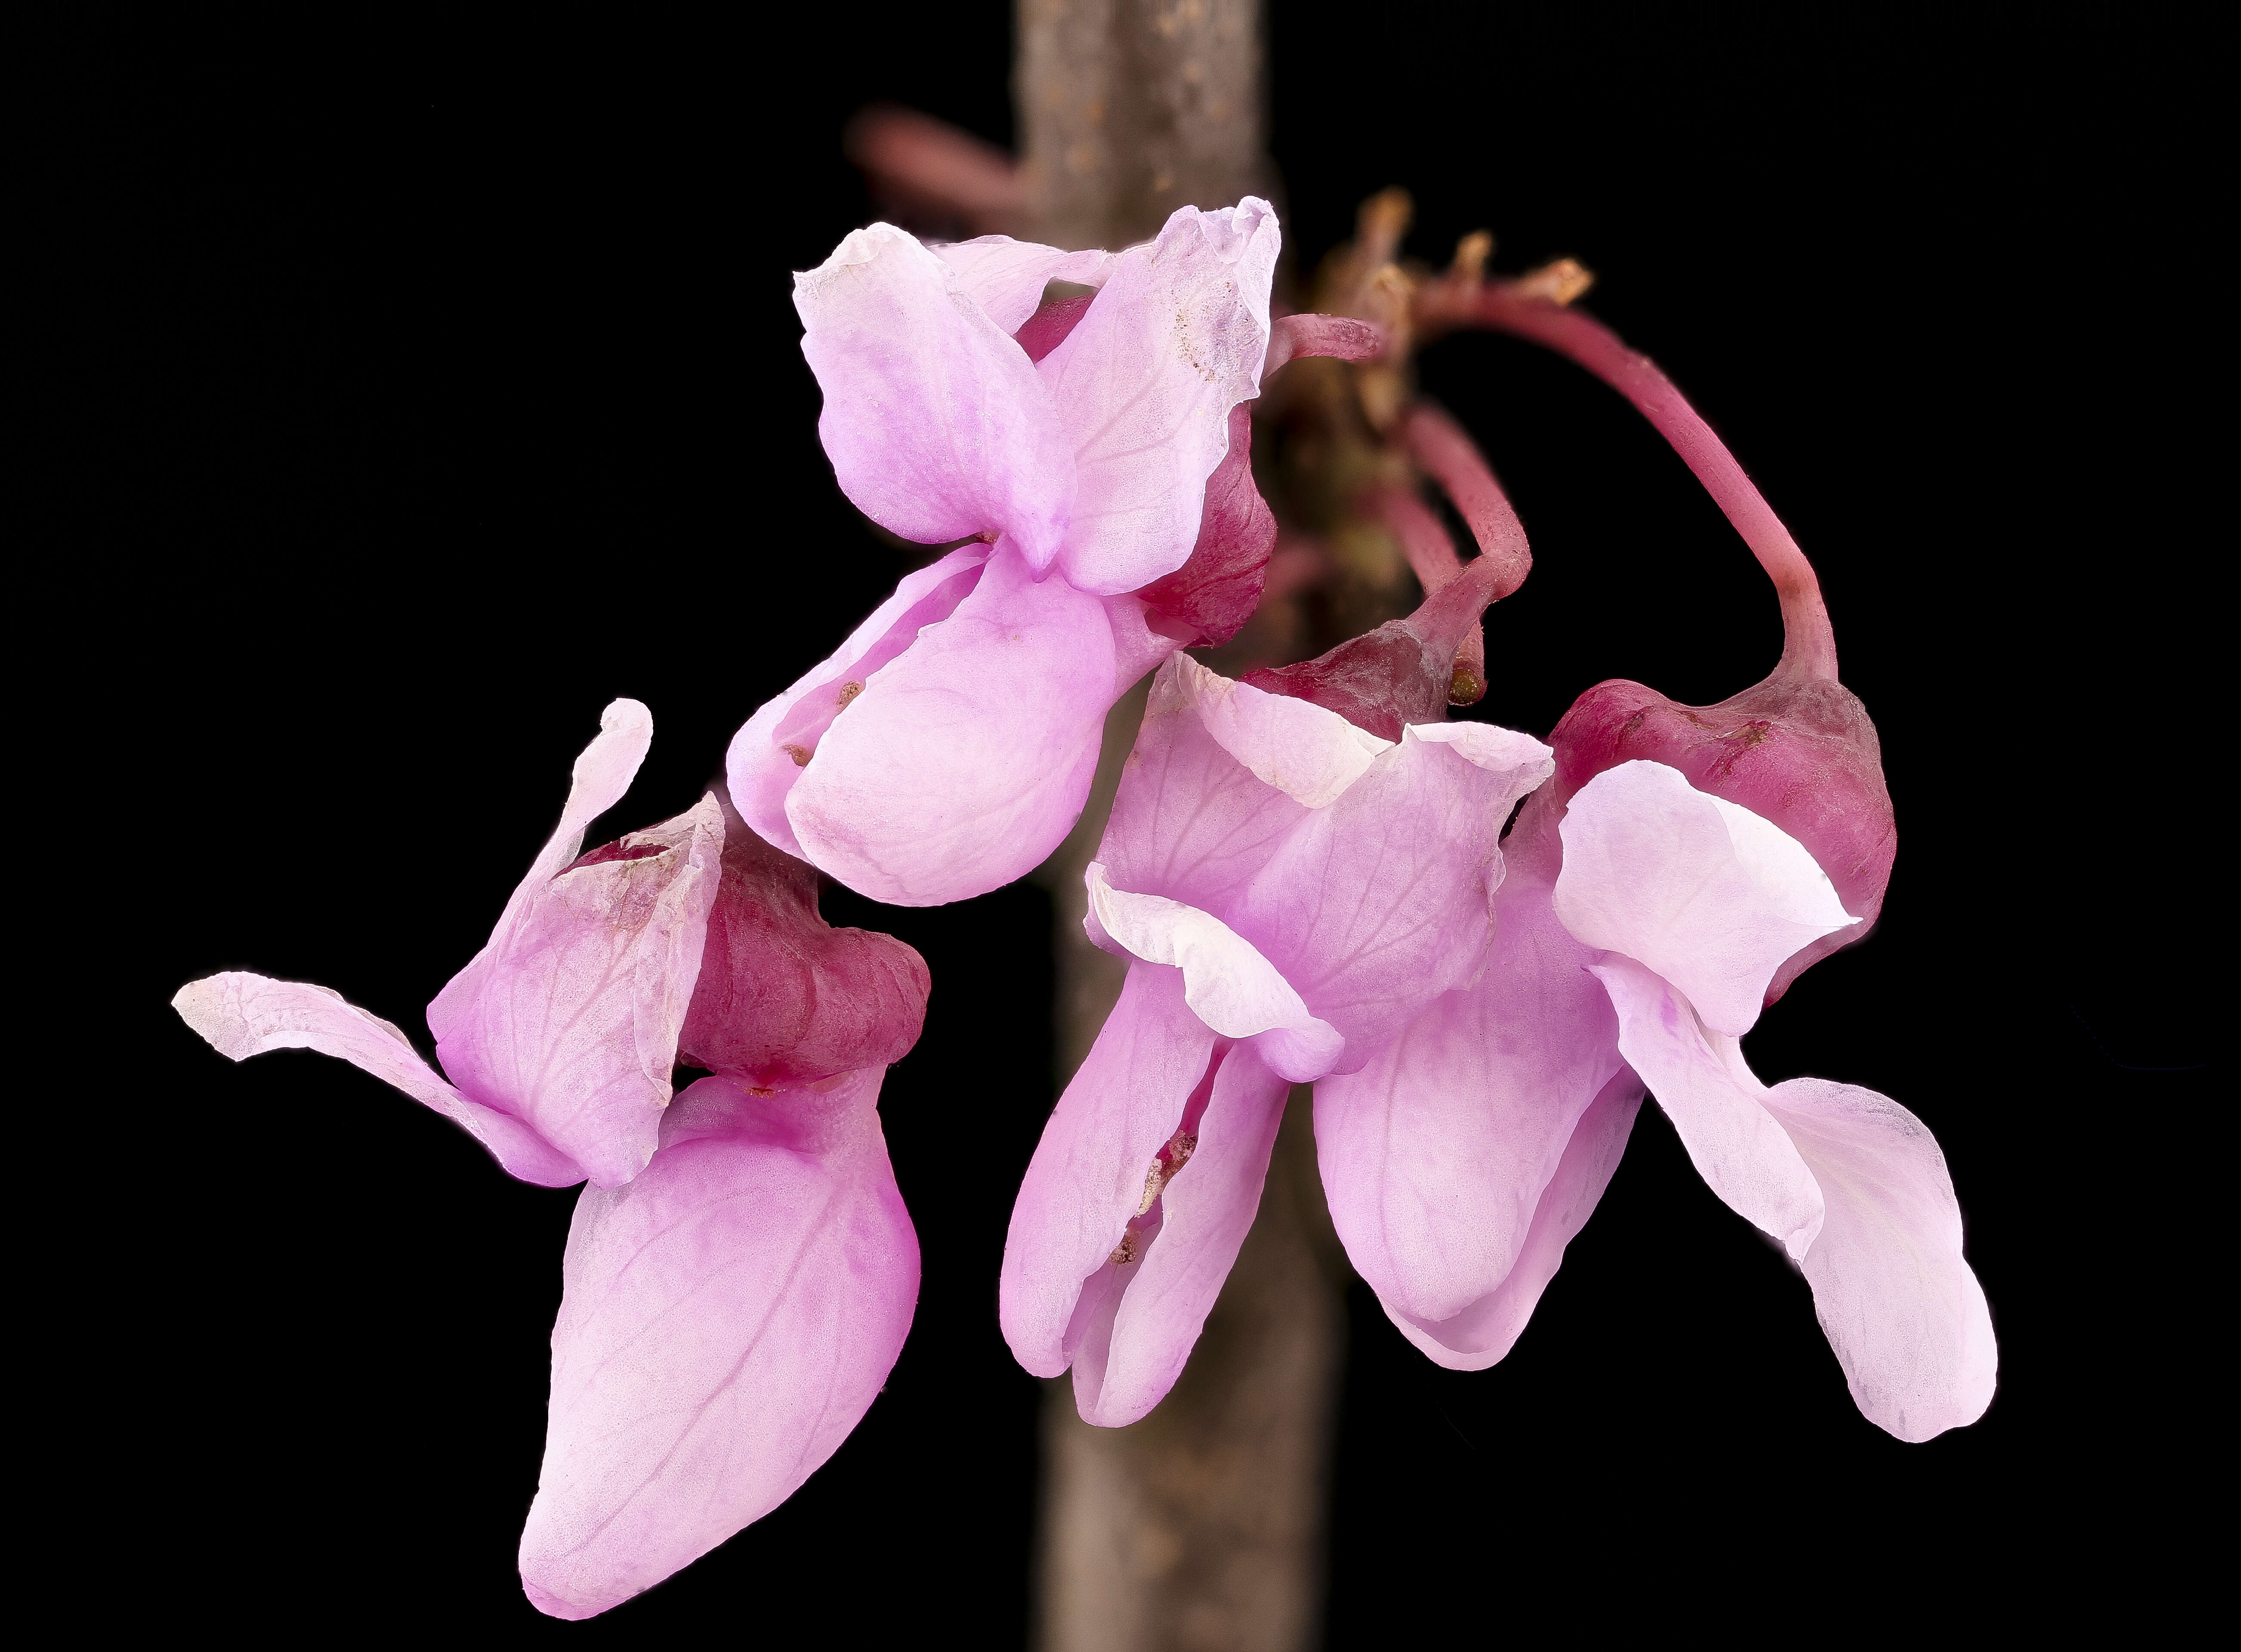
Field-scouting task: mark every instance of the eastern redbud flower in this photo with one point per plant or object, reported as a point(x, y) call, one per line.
point(1692, 861)
point(741, 1272)
point(1290, 890)
point(1093, 452)
point(560, 1036)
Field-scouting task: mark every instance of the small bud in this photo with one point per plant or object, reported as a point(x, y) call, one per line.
point(1558, 283)
point(1471, 254)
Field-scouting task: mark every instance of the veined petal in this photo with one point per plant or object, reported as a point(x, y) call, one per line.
point(1086, 1178)
point(1854, 1187)
point(1717, 1106)
point(1227, 982)
point(1436, 1157)
point(1704, 892)
point(1373, 907)
point(967, 758)
point(1191, 820)
point(936, 423)
point(242, 1015)
point(1310, 754)
point(1144, 384)
point(769, 753)
point(1006, 278)
point(726, 1320)
point(603, 771)
point(568, 1020)
point(1126, 1365)
point(1485, 1330)
point(1900, 1307)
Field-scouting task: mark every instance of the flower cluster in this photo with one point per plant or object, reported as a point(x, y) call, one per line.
point(1482, 950)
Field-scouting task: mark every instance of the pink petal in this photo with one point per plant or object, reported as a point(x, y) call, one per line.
point(568, 1020)
point(1137, 646)
point(1129, 1361)
point(967, 758)
point(603, 771)
point(1717, 1106)
point(1193, 822)
point(767, 755)
point(243, 1015)
point(726, 1320)
point(1706, 893)
point(1143, 388)
point(1854, 1187)
point(936, 425)
point(1902, 1309)
point(1086, 1178)
point(1376, 905)
point(1228, 984)
point(1437, 1154)
point(784, 997)
point(1485, 1330)
point(1006, 278)
point(1310, 754)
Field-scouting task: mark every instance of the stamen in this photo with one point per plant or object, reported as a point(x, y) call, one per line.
point(1125, 1252)
point(849, 691)
point(799, 753)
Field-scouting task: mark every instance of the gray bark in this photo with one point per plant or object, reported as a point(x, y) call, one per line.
point(1202, 1526)
point(1129, 108)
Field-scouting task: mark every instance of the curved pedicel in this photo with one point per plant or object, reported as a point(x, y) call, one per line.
point(1797, 748)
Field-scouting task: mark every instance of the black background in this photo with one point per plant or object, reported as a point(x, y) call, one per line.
point(425, 388)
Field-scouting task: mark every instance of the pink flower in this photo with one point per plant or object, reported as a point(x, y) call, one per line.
point(741, 1275)
point(1638, 931)
point(1652, 909)
point(1094, 454)
point(1695, 903)
point(560, 1035)
point(1290, 891)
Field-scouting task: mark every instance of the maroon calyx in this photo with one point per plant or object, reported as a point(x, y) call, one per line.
point(1797, 749)
point(1407, 671)
point(784, 997)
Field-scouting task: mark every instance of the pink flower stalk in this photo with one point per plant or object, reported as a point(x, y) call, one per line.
point(740, 1274)
point(1799, 748)
point(1462, 1161)
point(1290, 891)
point(1094, 454)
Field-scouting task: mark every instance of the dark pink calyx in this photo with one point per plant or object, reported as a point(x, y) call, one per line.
point(1799, 751)
point(1046, 329)
point(1407, 671)
point(1209, 598)
point(783, 996)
